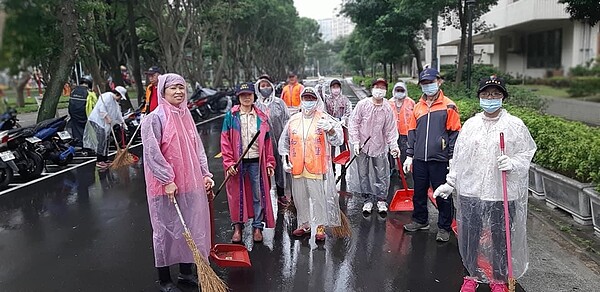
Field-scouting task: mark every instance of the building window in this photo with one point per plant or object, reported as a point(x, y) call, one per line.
point(544, 49)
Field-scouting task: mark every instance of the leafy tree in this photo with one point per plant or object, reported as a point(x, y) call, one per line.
point(587, 11)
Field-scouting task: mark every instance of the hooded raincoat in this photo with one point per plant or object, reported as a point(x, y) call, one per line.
point(403, 109)
point(315, 196)
point(173, 152)
point(97, 131)
point(239, 192)
point(370, 176)
point(480, 215)
point(278, 115)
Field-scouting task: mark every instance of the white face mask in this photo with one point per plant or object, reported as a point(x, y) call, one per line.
point(308, 105)
point(399, 95)
point(378, 93)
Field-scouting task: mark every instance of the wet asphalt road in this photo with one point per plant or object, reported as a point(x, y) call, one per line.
point(90, 231)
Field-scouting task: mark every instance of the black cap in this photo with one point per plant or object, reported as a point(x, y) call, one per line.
point(311, 92)
point(245, 88)
point(429, 74)
point(266, 77)
point(493, 81)
point(292, 74)
point(379, 80)
point(152, 70)
point(335, 81)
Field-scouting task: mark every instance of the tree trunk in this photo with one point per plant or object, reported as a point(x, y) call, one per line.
point(463, 39)
point(415, 50)
point(21, 86)
point(135, 54)
point(71, 40)
point(434, 40)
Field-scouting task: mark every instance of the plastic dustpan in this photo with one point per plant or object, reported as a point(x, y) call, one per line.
point(403, 198)
point(454, 225)
point(342, 158)
point(223, 254)
point(230, 255)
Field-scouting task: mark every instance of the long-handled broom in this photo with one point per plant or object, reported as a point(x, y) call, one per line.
point(123, 157)
point(511, 280)
point(208, 279)
point(238, 162)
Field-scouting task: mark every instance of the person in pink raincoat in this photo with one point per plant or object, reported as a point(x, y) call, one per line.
point(248, 189)
point(175, 166)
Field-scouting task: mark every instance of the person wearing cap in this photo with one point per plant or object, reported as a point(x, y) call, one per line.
point(479, 193)
point(372, 134)
point(305, 150)
point(105, 115)
point(248, 188)
point(403, 106)
point(291, 92)
point(79, 110)
point(151, 98)
point(339, 107)
point(278, 115)
point(432, 131)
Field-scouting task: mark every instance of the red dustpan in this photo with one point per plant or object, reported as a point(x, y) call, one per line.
point(226, 255)
point(344, 156)
point(403, 198)
point(454, 226)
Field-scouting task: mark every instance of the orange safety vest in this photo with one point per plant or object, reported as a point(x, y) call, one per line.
point(291, 94)
point(309, 152)
point(403, 114)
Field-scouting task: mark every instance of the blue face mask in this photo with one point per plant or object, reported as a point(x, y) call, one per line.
point(490, 105)
point(430, 89)
point(309, 104)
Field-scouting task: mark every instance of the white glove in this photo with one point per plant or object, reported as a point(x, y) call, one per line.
point(356, 149)
point(395, 152)
point(407, 165)
point(287, 167)
point(324, 124)
point(444, 191)
point(504, 163)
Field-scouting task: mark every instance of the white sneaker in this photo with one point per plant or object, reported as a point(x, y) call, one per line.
point(367, 207)
point(382, 207)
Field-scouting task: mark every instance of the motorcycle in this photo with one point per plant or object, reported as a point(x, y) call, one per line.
point(52, 141)
point(6, 172)
point(205, 102)
point(132, 120)
point(8, 120)
point(19, 154)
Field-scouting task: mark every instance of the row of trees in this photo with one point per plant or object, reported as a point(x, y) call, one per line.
point(391, 32)
point(212, 42)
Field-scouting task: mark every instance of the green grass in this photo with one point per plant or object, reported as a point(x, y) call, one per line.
point(30, 103)
point(547, 91)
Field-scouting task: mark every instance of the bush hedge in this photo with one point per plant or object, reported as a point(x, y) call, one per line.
point(584, 86)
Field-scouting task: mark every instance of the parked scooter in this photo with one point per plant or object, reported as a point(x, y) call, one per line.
point(8, 120)
point(206, 102)
point(19, 154)
point(6, 172)
point(53, 142)
point(132, 120)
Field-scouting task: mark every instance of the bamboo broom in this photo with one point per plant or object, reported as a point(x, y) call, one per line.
point(208, 280)
point(123, 157)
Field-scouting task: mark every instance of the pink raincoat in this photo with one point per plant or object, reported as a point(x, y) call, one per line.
point(239, 194)
point(173, 152)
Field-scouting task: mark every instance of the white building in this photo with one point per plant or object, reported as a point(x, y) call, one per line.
point(532, 38)
point(335, 27)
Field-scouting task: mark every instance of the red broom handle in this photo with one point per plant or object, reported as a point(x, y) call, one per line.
point(506, 214)
point(401, 171)
point(210, 196)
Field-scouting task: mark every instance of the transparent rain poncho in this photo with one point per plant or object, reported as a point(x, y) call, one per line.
point(278, 115)
point(479, 201)
point(370, 173)
point(316, 200)
point(173, 152)
point(92, 137)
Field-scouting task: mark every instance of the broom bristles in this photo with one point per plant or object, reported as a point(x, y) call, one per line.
point(291, 207)
point(208, 280)
point(122, 158)
point(344, 230)
point(511, 284)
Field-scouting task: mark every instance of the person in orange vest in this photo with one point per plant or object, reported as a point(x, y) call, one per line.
point(151, 101)
point(403, 107)
point(305, 148)
point(291, 92)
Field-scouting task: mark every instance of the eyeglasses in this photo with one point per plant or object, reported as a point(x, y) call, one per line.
point(495, 94)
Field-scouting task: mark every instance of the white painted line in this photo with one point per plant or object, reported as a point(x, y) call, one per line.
point(16, 186)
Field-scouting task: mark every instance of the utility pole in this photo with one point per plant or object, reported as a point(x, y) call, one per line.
point(470, 4)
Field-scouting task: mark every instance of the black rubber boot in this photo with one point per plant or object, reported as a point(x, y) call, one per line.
point(168, 287)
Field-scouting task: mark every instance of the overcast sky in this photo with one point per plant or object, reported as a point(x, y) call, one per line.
point(316, 9)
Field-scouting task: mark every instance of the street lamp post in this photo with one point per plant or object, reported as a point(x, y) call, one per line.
point(470, 4)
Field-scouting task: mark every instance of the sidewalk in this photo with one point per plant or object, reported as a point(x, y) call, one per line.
point(29, 119)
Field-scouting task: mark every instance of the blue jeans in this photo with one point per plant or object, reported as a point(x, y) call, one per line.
point(253, 171)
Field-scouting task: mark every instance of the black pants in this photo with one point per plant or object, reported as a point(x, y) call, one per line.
point(425, 175)
point(164, 273)
point(473, 213)
point(77, 121)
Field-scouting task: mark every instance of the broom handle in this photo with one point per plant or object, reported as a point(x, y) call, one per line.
point(211, 213)
point(238, 161)
point(179, 213)
point(344, 167)
point(401, 171)
point(506, 217)
point(134, 133)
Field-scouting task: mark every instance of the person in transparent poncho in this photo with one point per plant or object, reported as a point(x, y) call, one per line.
point(278, 115)
point(175, 165)
point(480, 216)
point(305, 150)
